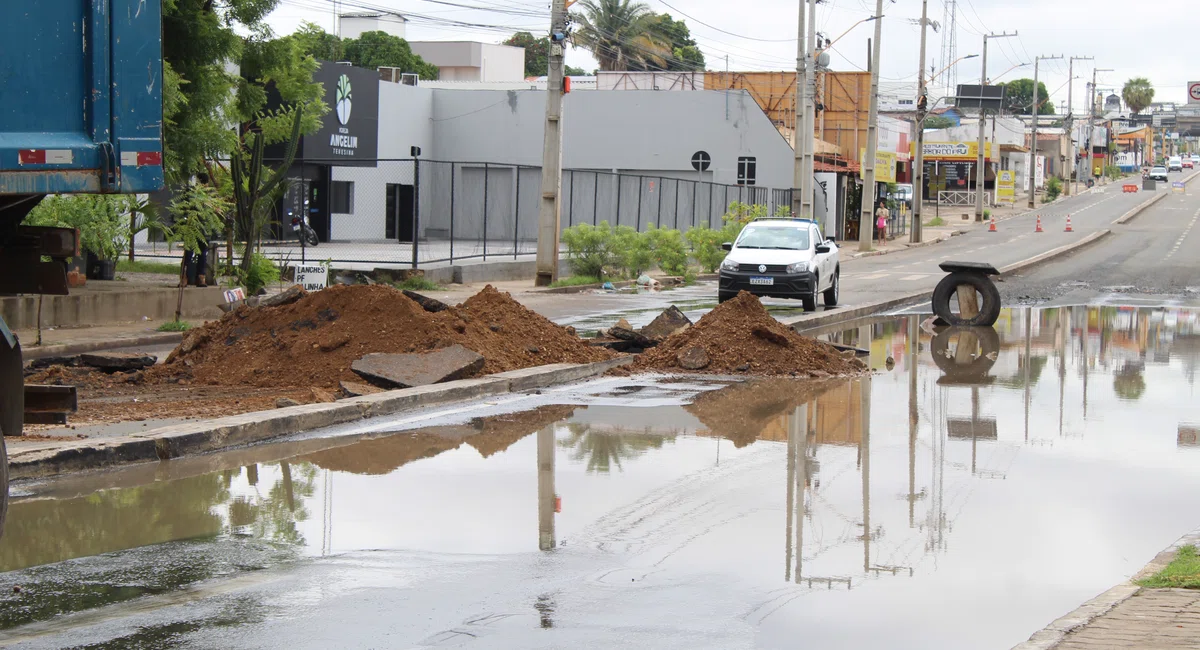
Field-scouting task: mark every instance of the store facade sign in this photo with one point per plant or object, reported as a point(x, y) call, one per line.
point(349, 133)
point(963, 151)
point(885, 165)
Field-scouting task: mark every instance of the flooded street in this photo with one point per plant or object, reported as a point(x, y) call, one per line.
point(977, 486)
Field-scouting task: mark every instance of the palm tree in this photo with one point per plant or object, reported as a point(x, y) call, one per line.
point(1137, 93)
point(621, 32)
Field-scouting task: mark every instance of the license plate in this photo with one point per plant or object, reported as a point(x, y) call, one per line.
point(295, 226)
point(763, 281)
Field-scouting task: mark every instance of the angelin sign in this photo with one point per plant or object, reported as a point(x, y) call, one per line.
point(349, 133)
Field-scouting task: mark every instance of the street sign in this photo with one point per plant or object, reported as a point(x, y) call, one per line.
point(701, 161)
point(312, 277)
point(1178, 187)
point(1194, 92)
point(983, 97)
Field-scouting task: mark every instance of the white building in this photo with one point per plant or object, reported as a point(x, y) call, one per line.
point(353, 25)
point(471, 61)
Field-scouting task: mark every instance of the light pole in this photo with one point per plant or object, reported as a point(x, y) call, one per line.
point(980, 173)
point(1035, 106)
point(866, 216)
point(923, 109)
point(1092, 92)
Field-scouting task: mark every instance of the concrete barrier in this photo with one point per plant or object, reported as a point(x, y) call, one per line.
point(112, 304)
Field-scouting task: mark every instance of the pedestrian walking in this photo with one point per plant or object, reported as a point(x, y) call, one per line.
point(881, 217)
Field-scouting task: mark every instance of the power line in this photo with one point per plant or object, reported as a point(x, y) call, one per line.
point(748, 38)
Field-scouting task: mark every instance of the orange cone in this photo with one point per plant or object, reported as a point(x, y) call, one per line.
point(1069, 229)
point(1039, 225)
point(992, 228)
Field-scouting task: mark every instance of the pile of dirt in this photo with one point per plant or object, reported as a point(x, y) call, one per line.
point(746, 412)
point(740, 337)
point(313, 341)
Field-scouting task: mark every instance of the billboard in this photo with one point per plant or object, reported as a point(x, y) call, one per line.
point(885, 165)
point(960, 151)
point(1006, 187)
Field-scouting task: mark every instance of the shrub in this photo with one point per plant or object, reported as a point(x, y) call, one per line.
point(262, 273)
point(174, 326)
point(669, 250)
point(589, 249)
point(1113, 172)
point(632, 250)
point(1054, 188)
point(101, 219)
point(706, 247)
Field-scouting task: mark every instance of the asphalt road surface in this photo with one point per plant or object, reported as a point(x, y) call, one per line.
point(1152, 260)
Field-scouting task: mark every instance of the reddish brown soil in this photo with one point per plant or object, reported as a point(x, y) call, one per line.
point(725, 334)
point(742, 412)
point(313, 341)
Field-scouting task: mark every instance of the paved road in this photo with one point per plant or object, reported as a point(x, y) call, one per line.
point(1152, 260)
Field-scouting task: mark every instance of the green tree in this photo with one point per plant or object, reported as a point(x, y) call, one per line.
point(935, 122)
point(537, 52)
point(685, 52)
point(603, 451)
point(572, 71)
point(198, 211)
point(1019, 98)
point(622, 35)
point(1138, 94)
point(318, 43)
point(378, 49)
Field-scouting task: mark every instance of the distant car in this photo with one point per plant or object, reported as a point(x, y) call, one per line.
point(903, 194)
point(1158, 174)
point(782, 258)
point(1188, 164)
point(1175, 164)
point(1196, 159)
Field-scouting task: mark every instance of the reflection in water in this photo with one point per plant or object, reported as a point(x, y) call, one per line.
point(604, 449)
point(864, 498)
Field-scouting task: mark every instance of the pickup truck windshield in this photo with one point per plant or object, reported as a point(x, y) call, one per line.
point(787, 238)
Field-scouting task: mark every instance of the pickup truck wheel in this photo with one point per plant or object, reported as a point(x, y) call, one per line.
point(12, 412)
point(831, 294)
point(810, 301)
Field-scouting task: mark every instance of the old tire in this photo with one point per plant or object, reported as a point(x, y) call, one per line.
point(722, 296)
point(989, 295)
point(831, 294)
point(12, 413)
point(989, 344)
point(810, 301)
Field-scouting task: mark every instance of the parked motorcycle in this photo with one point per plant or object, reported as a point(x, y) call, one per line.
point(300, 226)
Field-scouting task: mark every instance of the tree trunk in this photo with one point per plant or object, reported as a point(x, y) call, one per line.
point(182, 285)
point(132, 234)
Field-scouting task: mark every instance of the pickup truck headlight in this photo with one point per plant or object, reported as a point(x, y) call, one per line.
point(798, 267)
point(729, 265)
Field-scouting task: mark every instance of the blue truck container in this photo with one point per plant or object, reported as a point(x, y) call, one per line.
point(80, 113)
point(81, 97)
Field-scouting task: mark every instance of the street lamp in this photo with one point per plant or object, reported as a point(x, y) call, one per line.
point(952, 64)
point(829, 44)
point(1019, 65)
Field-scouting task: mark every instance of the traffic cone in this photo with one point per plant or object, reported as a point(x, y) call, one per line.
point(1039, 225)
point(1069, 229)
point(992, 228)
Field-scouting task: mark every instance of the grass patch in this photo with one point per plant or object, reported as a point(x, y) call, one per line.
point(1182, 572)
point(575, 281)
point(165, 268)
point(174, 326)
point(935, 222)
point(418, 283)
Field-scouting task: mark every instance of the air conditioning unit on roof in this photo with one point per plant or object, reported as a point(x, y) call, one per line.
point(408, 79)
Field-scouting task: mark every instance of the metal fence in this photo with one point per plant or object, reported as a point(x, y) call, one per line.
point(408, 212)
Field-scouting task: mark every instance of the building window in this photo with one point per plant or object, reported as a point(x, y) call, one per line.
point(906, 102)
point(747, 170)
point(341, 197)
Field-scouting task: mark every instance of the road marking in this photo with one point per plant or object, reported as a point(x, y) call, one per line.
point(915, 276)
point(1179, 242)
point(874, 276)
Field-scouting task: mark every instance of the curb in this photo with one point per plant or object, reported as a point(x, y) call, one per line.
point(1080, 617)
point(67, 349)
point(214, 435)
point(910, 246)
point(821, 319)
point(1139, 208)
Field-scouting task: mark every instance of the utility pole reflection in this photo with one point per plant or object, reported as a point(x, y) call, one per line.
point(545, 464)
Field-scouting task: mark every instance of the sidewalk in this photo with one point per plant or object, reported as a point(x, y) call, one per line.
point(1129, 616)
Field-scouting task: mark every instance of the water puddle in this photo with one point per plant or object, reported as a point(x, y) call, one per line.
point(979, 485)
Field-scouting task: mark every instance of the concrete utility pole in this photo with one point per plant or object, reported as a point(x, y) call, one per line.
point(980, 171)
point(866, 218)
point(800, 139)
point(548, 212)
point(914, 235)
point(810, 115)
point(1035, 106)
point(1071, 119)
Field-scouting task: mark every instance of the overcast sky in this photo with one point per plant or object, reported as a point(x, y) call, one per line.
point(760, 35)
